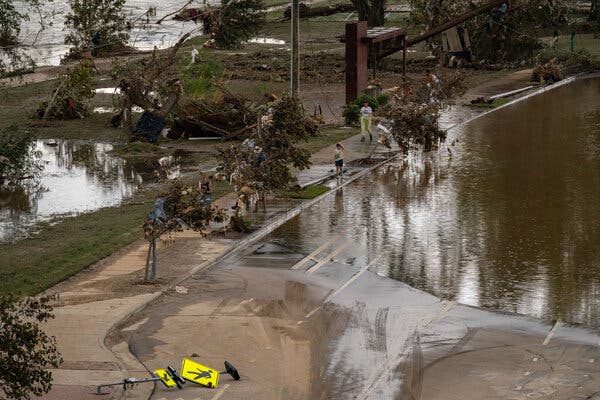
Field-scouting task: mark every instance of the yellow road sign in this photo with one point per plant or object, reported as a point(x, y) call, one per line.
point(198, 373)
point(165, 377)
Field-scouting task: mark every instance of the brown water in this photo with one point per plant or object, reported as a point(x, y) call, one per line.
point(77, 177)
point(510, 220)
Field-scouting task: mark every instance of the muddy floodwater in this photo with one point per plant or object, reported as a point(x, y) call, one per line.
point(506, 216)
point(77, 177)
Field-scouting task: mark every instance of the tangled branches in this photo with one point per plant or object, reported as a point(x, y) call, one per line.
point(233, 22)
point(181, 207)
point(152, 84)
point(263, 161)
point(71, 94)
point(414, 114)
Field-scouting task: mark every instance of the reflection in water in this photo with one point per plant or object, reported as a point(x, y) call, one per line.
point(508, 222)
point(77, 177)
point(49, 45)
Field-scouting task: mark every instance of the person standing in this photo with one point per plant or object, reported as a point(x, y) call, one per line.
point(366, 117)
point(338, 157)
point(206, 189)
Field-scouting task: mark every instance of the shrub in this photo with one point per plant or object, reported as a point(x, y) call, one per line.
point(17, 154)
point(241, 223)
point(351, 112)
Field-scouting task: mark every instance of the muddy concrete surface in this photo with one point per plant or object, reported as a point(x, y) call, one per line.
point(503, 218)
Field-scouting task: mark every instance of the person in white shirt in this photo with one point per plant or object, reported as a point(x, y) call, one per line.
point(366, 117)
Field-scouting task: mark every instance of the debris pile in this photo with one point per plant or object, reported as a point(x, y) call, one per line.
point(549, 72)
point(227, 117)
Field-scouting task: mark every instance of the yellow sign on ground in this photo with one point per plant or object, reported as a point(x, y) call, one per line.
point(198, 373)
point(165, 377)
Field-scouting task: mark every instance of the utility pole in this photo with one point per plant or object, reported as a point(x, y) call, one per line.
point(295, 39)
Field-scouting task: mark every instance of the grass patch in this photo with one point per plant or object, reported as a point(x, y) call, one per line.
point(493, 104)
point(327, 137)
point(308, 193)
point(58, 251)
point(20, 102)
point(138, 149)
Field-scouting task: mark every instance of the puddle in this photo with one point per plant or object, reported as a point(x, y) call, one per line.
point(108, 90)
point(266, 40)
point(110, 110)
point(78, 177)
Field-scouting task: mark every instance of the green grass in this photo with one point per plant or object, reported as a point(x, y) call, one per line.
point(58, 251)
point(327, 137)
point(308, 193)
point(134, 149)
point(493, 104)
point(19, 104)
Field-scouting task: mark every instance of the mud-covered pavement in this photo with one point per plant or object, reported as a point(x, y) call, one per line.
point(335, 330)
point(324, 325)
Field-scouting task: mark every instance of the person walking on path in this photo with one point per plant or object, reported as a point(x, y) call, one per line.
point(366, 116)
point(338, 157)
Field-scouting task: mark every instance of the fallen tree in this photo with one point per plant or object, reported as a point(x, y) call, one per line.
point(222, 115)
point(307, 11)
point(153, 84)
point(261, 164)
point(414, 114)
point(71, 94)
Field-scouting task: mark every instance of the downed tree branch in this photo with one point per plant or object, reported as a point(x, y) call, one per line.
point(323, 11)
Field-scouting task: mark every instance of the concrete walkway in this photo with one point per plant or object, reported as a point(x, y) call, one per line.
point(94, 301)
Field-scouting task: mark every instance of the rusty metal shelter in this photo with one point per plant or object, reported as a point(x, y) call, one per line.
point(360, 40)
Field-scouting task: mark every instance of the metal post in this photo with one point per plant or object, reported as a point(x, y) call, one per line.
point(404, 56)
point(153, 271)
point(147, 270)
point(572, 40)
point(295, 39)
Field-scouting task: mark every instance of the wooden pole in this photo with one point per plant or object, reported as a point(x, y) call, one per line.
point(147, 271)
point(295, 39)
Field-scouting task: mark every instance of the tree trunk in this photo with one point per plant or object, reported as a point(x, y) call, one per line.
point(372, 11)
point(595, 11)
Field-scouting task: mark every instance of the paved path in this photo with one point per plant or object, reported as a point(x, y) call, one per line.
point(96, 300)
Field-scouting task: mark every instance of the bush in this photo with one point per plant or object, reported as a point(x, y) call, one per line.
point(17, 155)
point(383, 99)
point(104, 17)
point(199, 79)
point(240, 223)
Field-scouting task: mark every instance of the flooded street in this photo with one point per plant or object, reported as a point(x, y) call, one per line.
point(506, 218)
point(77, 177)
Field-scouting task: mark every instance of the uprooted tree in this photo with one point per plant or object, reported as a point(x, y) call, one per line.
point(25, 350)
point(506, 33)
point(71, 94)
point(18, 158)
point(97, 24)
point(154, 85)
point(233, 22)
point(261, 164)
point(415, 113)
